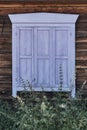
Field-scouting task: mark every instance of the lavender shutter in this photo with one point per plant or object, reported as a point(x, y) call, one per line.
point(25, 56)
point(34, 57)
point(61, 57)
point(43, 58)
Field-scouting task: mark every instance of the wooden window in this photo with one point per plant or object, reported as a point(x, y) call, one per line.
point(43, 51)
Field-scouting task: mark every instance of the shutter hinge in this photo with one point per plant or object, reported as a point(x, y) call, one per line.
point(70, 33)
point(16, 33)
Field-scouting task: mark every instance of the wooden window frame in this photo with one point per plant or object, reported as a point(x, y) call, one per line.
point(41, 19)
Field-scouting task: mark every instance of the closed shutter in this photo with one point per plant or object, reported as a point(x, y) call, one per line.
point(25, 56)
point(34, 63)
point(42, 52)
point(61, 57)
point(43, 57)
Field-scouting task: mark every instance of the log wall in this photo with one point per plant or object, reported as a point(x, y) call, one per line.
point(26, 7)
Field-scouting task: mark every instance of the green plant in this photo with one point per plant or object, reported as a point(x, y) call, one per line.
point(37, 111)
point(61, 76)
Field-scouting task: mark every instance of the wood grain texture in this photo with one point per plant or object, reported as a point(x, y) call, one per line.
point(77, 6)
point(44, 1)
point(24, 7)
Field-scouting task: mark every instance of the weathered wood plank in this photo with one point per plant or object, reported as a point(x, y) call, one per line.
point(44, 1)
point(5, 48)
point(81, 54)
point(6, 71)
point(5, 79)
point(81, 62)
point(6, 57)
point(7, 64)
point(51, 7)
point(81, 40)
point(4, 86)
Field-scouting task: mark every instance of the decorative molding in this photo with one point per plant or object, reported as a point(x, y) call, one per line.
point(43, 18)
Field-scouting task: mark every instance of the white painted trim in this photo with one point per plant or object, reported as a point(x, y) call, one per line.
point(14, 76)
point(47, 89)
point(43, 18)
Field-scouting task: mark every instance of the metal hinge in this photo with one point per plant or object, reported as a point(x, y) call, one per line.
point(70, 33)
point(16, 33)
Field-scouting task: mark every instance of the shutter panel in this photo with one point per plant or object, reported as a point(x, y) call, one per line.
point(61, 66)
point(25, 56)
point(42, 56)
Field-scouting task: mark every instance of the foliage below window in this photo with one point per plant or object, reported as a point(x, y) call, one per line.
point(36, 111)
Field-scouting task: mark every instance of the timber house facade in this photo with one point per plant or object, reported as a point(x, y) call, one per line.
point(40, 6)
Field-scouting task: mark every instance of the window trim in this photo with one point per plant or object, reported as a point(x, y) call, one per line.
point(40, 19)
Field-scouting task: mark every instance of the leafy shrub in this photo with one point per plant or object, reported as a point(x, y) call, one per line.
point(36, 111)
